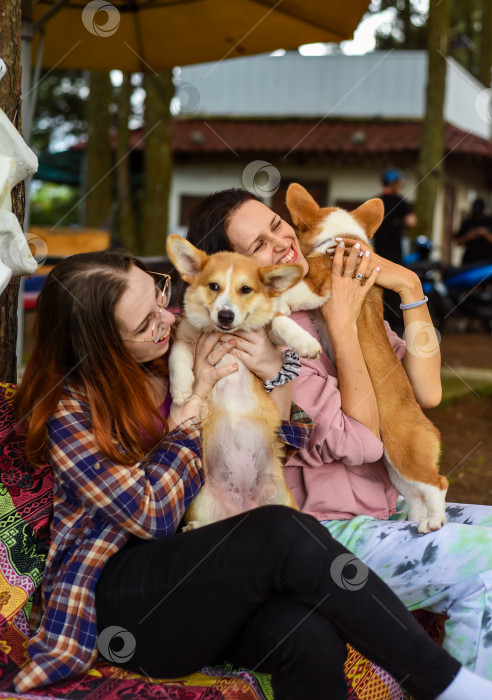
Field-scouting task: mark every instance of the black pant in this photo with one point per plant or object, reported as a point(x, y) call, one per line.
point(270, 590)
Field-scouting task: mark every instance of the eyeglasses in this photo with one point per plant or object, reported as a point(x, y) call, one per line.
point(163, 284)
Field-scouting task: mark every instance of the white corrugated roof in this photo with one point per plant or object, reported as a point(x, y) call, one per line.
point(379, 84)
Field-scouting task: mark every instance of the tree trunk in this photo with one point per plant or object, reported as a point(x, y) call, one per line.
point(126, 217)
point(485, 53)
point(10, 93)
point(159, 91)
point(98, 153)
point(406, 17)
point(430, 166)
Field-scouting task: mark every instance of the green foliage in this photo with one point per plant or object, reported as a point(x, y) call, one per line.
point(50, 203)
point(60, 107)
point(464, 38)
point(453, 388)
point(408, 29)
point(62, 103)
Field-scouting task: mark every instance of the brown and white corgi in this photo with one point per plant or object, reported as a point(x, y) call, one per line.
point(242, 454)
point(411, 442)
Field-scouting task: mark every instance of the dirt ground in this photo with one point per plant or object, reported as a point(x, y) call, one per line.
point(467, 350)
point(465, 422)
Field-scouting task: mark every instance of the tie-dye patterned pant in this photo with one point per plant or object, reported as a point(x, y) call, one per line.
point(448, 571)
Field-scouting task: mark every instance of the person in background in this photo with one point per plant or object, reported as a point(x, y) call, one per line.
point(476, 235)
point(398, 217)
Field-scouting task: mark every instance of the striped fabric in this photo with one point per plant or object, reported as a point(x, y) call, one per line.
point(290, 369)
point(97, 506)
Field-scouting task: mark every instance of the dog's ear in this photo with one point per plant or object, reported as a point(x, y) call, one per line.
point(302, 207)
point(187, 259)
point(279, 278)
point(370, 215)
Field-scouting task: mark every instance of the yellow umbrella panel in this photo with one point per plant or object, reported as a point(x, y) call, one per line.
point(147, 35)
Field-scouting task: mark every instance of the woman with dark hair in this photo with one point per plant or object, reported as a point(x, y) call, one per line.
point(269, 589)
point(210, 218)
point(341, 478)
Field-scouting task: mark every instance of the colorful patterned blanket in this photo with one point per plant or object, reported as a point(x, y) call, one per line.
point(25, 513)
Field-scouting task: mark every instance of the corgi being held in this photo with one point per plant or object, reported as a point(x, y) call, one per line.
point(411, 441)
point(242, 454)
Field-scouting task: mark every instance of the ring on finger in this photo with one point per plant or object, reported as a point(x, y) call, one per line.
point(358, 276)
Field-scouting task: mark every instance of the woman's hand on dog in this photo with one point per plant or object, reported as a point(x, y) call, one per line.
point(257, 352)
point(391, 276)
point(206, 357)
point(206, 375)
point(342, 309)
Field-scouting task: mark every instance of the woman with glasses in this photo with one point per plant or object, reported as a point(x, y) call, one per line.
point(269, 589)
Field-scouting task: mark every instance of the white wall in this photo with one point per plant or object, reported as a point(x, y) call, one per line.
point(467, 104)
point(350, 183)
point(343, 182)
point(198, 180)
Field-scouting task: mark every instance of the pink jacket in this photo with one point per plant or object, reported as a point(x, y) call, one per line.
point(340, 474)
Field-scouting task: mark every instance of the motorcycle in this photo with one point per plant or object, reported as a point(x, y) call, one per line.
point(462, 293)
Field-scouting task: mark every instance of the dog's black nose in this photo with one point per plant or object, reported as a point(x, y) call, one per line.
point(226, 316)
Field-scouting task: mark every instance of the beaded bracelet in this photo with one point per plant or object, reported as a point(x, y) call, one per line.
point(414, 304)
point(289, 370)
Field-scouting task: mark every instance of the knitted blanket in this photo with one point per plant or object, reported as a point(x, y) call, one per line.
point(25, 513)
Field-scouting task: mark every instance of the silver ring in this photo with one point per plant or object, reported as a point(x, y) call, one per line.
point(358, 276)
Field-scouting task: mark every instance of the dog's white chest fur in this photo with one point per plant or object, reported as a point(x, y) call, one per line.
point(237, 451)
point(235, 392)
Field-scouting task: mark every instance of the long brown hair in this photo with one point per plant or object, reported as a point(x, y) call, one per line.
point(77, 340)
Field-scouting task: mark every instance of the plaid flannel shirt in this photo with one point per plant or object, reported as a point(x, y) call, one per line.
point(98, 505)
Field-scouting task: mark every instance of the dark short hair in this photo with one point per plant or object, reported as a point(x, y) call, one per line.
point(209, 219)
point(478, 206)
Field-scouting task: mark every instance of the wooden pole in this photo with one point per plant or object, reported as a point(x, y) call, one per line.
point(99, 162)
point(10, 102)
point(430, 166)
point(159, 90)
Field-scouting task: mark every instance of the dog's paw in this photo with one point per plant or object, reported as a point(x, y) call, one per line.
point(329, 246)
point(417, 511)
point(431, 524)
point(192, 525)
point(181, 396)
point(309, 348)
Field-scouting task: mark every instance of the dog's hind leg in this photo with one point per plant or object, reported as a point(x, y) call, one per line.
point(426, 502)
point(417, 509)
point(436, 507)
